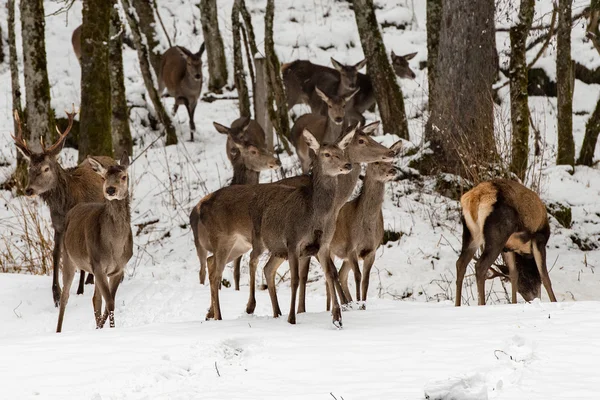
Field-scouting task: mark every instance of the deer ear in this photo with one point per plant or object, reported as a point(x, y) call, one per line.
point(322, 95)
point(397, 147)
point(183, 53)
point(360, 65)
point(124, 161)
point(393, 55)
point(371, 128)
point(310, 140)
point(199, 53)
point(410, 56)
point(96, 166)
point(336, 65)
point(347, 139)
point(246, 124)
point(222, 128)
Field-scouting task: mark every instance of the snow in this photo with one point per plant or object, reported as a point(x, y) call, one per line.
point(422, 346)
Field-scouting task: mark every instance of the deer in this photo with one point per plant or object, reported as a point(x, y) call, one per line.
point(61, 189)
point(503, 217)
point(248, 160)
point(529, 282)
point(98, 239)
point(76, 42)
point(325, 128)
point(359, 229)
point(181, 75)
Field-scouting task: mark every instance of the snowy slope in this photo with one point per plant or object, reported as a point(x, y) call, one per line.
point(162, 348)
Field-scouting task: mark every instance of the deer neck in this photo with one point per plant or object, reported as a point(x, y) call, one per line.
point(332, 131)
point(243, 175)
point(346, 185)
point(370, 199)
point(57, 198)
point(324, 192)
point(118, 212)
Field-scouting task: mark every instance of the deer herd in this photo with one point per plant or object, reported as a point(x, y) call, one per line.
point(293, 219)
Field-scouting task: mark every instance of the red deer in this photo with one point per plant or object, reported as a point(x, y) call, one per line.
point(181, 75)
point(98, 239)
point(61, 189)
point(76, 42)
point(503, 217)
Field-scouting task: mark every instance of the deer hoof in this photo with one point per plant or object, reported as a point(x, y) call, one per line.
point(338, 324)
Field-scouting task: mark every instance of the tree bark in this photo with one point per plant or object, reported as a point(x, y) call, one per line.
point(434, 21)
point(38, 113)
point(462, 119)
point(276, 93)
point(121, 134)
point(143, 56)
point(239, 73)
point(519, 106)
point(94, 128)
point(564, 80)
point(217, 66)
point(147, 27)
point(387, 92)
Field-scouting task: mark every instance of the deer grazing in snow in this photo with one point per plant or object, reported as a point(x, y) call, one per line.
point(61, 189)
point(98, 239)
point(325, 128)
point(247, 152)
point(505, 218)
point(181, 75)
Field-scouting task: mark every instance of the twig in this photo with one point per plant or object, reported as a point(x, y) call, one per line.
point(15, 310)
point(147, 147)
point(547, 42)
point(217, 368)
point(161, 23)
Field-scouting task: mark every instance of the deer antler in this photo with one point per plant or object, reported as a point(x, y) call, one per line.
point(19, 141)
point(61, 135)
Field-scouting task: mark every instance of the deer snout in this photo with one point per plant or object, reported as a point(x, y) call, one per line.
point(274, 164)
point(339, 120)
point(29, 191)
point(348, 167)
point(111, 190)
point(412, 75)
point(197, 77)
point(389, 157)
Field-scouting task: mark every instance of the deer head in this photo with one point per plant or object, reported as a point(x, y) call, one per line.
point(116, 179)
point(193, 62)
point(336, 105)
point(348, 73)
point(401, 67)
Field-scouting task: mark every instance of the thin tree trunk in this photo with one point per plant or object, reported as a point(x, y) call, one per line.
point(592, 128)
point(387, 92)
point(147, 27)
point(519, 107)
point(94, 128)
point(276, 93)
point(462, 119)
point(121, 134)
point(239, 73)
point(434, 22)
point(249, 28)
point(149, 82)
point(1, 47)
point(38, 113)
point(564, 81)
point(217, 66)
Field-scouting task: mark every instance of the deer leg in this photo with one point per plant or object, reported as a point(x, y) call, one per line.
point(215, 276)
point(293, 260)
point(68, 275)
point(270, 272)
point(81, 282)
point(102, 285)
point(304, 267)
point(466, 255)
point(336, 281)
point(90, 279)
point(509, 260)
point(253, 266)
point(326, 264)
point(201, 251)
point(347, 265)
point(56, 266)
point(211, 267)
point(97, 303)
point(368, 262)
point(237, 266)
point(114, 283)
point(539, 253)
point(191, 108)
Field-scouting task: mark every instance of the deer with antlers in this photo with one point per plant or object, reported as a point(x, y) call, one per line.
point(61, 189)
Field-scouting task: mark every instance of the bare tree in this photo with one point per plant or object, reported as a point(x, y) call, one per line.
point(147, 28)
point(95, 121)
point(387, 92)
point(121, 134)
point(434, 21)
point(217, 66)
point(38, 113)
point(239, 72)
point(564, 81)
point(462, 120)
point(519, 106)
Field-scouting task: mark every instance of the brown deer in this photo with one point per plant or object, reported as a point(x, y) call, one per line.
point(529, 282)
point(325, 128)
point(76, 42)
point(247, 160)
point(359, 228)
point(98, 239)
point(503, 217)
point(181, 75)
point(61, 189)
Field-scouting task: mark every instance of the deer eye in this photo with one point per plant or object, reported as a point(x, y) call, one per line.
point(253, 152)
point(123, 178)
point(46, 169)
point(376, 163)
point(327, 155)
point(361, 141)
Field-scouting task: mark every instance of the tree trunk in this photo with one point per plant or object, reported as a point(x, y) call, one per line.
point(239, 73)
point(462, 118)
point(38, 113)
point(592, 128)
point(387, 92)
point(434, 21)
point(94, 128)
point(147, 27)
point(217, 67)
point(143, 56)
point(564, 81)
point(519, 107)
point(1, 47)
point(121, 134)
point(276, 93)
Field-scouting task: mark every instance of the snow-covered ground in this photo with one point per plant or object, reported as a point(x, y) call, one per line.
point(163, 348)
